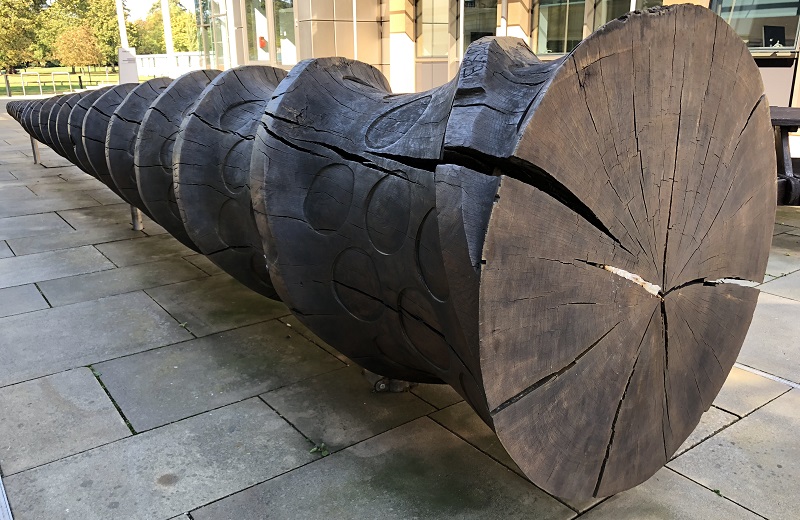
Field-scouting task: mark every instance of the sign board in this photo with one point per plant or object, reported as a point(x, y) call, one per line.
point(128, 71)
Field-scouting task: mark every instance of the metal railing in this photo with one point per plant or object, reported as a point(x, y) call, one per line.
point(53, 79)
point(38, 80)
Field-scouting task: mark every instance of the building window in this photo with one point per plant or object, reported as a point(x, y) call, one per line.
point(761, 23)
point(213, 32)
point(257, 30)
point(480, 19)
point(560, 25)
point(433, 28)
point(285, 42)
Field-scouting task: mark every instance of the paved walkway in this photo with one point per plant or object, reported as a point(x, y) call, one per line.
point(137, 381)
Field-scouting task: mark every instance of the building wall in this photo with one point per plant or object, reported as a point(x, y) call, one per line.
point(418, 44)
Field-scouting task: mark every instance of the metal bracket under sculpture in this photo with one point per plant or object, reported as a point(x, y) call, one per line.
point(551, 238)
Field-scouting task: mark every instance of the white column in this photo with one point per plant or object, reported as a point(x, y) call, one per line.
point(165, 16)
point(123, 31)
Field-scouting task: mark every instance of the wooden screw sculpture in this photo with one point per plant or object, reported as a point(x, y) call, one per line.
point(552, 239)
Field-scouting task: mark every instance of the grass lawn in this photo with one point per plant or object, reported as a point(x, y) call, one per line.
point(62, 81)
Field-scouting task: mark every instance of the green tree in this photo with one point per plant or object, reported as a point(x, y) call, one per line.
point(77, 47)
point(101, 17)
point(54, 20)
point(151, 30)
point(17, 31)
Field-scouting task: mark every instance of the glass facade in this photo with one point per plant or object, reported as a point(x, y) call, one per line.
point(433, 28)
point(258, 37)
point(762, 23)
point(480, 19)
point(285, 42)
point(560, 25)
point(212, 34)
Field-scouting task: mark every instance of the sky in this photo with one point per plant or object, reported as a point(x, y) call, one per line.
point(138, 8)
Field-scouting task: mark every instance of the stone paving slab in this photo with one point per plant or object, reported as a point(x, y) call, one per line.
point(16, 193)
point(53, 417)
point(339, 408)
point(10, 180)
point(787, 286)
point(70, 239)
point(20, 299)
point(51, 340)
point(745, 391)
point(440, 396)
point(712, 421)
point(788, 216)
point(83, 184)
point(97, 216)
point(668, 496)
point(464, 422)
point(93, 286)
point(32, 225)
point(5, 251)
point(46, 204)
point(293, 323)
point(163, 472)
point(419, 470)
point(19, 270)
point(782, 228)
point(160, 386)
point(104, 196)
point(215, 303)
point(141, 250)
point(202, 262)
point(755, 462)
point(784, 257)
point(772, 344)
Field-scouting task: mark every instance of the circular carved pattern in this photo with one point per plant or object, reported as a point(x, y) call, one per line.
point(239, 117)
point(388, 214)
point(422, 328)
point(329, 198)
point(429, 258)
point(236, 166)
point(229, 226)
point(394, 124)
point(356, 284)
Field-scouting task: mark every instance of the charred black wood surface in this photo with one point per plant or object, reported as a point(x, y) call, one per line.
point(120, 139)
point(154, 147)
point(213, 193)
point(555, 240)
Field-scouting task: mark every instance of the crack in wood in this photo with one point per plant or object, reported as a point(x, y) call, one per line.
point(550, 377)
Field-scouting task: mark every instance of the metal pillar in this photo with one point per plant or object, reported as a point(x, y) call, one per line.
point(136, 219)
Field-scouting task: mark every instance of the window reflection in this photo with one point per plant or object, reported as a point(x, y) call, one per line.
point(560, 25)
point(433, 28)
point(257, 30)
point(761, 23)
point(285, 43)
point(480, 19)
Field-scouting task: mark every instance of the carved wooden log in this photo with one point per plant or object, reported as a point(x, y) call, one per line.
point(552, 239)
point(213, 194)
point(52, 124)
point(62, 127)
point(154, 145)
point(30, 115)
point(75, 124)
point(42, 125)
point(95, 129)
point(551, 249)
point(123, 128)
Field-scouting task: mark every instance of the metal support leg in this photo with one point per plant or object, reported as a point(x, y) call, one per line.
point(35, 148)
point(136, 219)
point(383, 384)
